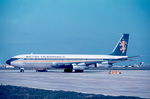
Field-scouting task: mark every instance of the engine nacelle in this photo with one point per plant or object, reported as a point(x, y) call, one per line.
point(103, 64)
point(80, 66)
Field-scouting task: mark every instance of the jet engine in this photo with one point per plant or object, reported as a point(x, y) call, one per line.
point(79, 67)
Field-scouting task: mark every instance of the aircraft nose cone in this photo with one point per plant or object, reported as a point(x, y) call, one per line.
point(8, 62)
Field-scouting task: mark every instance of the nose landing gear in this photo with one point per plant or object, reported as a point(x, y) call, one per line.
point(21, 69)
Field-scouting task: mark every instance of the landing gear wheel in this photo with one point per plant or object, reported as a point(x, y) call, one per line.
point(78, 71)
point(68, 70)
point(21, 69)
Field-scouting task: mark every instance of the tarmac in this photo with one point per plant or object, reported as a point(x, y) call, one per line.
point(129, 83)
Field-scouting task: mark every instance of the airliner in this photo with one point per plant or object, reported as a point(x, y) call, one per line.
point(70, 62)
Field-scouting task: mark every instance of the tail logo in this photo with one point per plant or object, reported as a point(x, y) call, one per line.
point(123, 46)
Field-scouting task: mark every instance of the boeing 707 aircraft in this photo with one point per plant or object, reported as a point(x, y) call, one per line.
point(70, 62)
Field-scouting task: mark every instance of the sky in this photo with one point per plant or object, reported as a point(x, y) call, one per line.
point(73, 27)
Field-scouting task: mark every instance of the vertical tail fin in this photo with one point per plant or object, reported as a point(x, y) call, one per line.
point(121, 47)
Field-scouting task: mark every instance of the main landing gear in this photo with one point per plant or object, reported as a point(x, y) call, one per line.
point(69, 70)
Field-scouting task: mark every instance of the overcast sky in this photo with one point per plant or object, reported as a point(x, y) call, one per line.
point(73, 27)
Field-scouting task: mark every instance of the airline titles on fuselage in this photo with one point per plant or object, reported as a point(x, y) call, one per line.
point(45, 56)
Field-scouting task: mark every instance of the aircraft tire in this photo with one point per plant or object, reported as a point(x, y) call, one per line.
point(21, 70)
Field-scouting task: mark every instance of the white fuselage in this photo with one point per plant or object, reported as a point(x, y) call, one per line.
point(69, 61)
point(59, 60)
